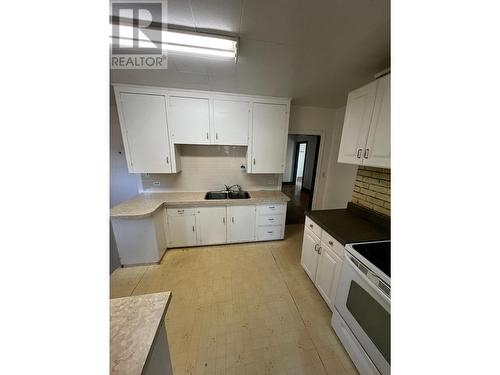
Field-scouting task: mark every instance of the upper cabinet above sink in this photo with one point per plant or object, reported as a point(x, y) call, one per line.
point(154, 121)
point(366, 135)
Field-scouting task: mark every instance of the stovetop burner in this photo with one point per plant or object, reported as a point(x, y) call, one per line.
point(378, 253)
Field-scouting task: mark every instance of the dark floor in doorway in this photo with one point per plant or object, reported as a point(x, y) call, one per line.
point(297, 205)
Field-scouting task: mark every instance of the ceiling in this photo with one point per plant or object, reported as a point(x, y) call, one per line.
point(314, 51)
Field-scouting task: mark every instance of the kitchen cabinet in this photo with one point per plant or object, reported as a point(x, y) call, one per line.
point(181, 227)
point(231, 120)
point(143, 121)
point(266, 149)
point(211, 225)
point(322, 260)
point(327, 273)
point(241, 221)
point(309, 258)
point(378, 144)
point(269, 221)
point(366, 131)
point(141, 240)
point(189, 119)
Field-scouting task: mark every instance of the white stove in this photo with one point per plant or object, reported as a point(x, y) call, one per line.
point(362, 313)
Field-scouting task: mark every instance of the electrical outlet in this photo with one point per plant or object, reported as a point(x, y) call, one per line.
point(156, 183)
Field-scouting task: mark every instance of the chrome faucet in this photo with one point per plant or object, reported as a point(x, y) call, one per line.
point(228, 188)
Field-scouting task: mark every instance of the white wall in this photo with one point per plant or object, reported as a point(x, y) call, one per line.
point(340, 177)
point(207, 168)
point(290, 155)
point(334, 181)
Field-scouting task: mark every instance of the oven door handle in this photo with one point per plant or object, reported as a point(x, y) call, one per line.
point(367, 279)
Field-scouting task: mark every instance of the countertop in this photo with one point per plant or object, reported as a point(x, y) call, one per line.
point(146, 204)
point(133, 325)
point(352, 224)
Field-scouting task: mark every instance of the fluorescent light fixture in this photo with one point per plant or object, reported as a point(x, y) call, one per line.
point(184, 42)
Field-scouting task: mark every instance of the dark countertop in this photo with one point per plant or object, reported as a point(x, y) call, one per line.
point(352, 224)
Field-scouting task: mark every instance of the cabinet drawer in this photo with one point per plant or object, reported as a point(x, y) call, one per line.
point(269, 232)
point(270, 220)
point(270, 209)
point(180, 211)
point(313, 227)
point(332, 244)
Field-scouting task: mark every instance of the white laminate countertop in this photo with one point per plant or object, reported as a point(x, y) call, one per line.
point(133, 325)
point(146, 204)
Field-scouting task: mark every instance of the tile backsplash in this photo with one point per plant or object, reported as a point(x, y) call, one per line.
point(207, 168)
point(372, 189)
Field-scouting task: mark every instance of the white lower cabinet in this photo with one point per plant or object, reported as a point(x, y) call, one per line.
point(211, 225)
point(181, 227)
point(241, 220)
point(270, 221)
point(322, 261)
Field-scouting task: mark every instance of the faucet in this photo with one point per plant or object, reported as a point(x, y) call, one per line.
point(228, 188)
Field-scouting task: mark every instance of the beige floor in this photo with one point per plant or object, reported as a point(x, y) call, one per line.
point(241, 309)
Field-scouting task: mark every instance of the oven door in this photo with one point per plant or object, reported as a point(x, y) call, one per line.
point(365, 308)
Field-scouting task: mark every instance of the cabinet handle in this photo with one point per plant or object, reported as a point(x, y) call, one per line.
point(271, 219)
point(193, 228)
point(272, 207)
point(207, 135)
point(311, 226)
point(270, 232)
point(316, 247)
point(330, 242)
point(232, 219)
point(180, 211)
point(253, 161)
point(216, 135)
point(319, 250)
point(359, 153)
point(224, 220)
point(366, 153)
point(167, 159)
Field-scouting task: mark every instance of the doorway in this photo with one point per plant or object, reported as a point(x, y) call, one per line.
point(300, 175)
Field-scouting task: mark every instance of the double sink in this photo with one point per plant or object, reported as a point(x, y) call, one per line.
point(227, 195)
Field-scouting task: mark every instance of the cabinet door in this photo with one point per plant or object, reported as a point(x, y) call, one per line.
point(189, 120)
point(241, 223)
point(231, 122)
point(269, 129)
point(182, 230)
point(327, 274)
point(357, 119)
point(143, 120)
point(211, 225)
point(378, 146)
point(309, 258)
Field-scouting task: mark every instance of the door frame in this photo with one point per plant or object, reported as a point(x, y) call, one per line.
point(321, 153)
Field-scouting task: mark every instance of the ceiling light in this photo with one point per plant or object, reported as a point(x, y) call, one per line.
point(184, 42)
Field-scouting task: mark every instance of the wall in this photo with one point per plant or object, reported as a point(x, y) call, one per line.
point(372, 189)
point(339, 177)
point(207, 168)
point(290, 156)
point(122, 185)
point(334, 181)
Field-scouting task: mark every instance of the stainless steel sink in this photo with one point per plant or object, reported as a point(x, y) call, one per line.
point(227, 195)
point(239, 195)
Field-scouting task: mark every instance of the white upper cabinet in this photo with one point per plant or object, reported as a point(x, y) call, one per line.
point(366, 132)
point(357, 119)
point(266, 150)
point(189, 120)
point(155, 120)
point(378, 146)
point(231, 119)
point(211, 225)
point(143, 122)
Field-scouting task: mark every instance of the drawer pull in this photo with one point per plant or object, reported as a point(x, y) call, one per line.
point(180, 211)
point(271, 219)
point(330, 242)
point(272, 207)
point(270, 232)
